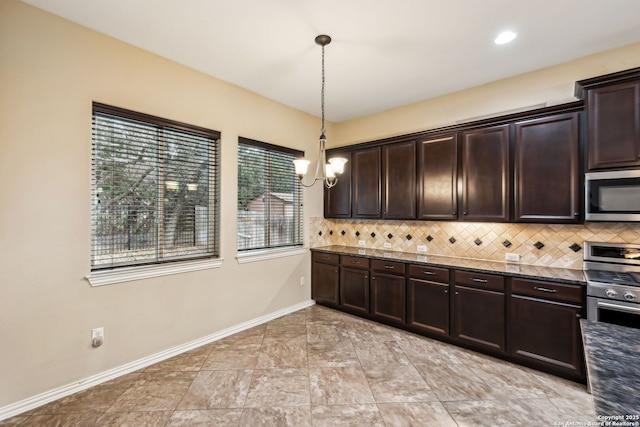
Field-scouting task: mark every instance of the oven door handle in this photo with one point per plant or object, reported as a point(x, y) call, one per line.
point(617, 307)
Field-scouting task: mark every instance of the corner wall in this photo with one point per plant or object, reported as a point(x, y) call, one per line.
point(50, 72)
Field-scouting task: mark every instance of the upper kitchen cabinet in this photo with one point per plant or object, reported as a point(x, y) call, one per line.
point(485, 174)
point(399, 180)
point(366, 183)
point(337, 199)
point(547, 176)
point(437, 182)
point(613, 119)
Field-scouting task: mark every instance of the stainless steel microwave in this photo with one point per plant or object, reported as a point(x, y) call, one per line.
point(612, 196)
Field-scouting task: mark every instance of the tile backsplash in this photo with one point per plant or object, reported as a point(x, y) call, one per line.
point(549, 245)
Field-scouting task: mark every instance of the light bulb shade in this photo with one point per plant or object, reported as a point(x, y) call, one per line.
point(328, 171)
point(337, 164)
point(301, 166)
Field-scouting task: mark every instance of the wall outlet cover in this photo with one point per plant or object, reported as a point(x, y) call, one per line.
point(422, 248)
point(512, 257)
point(387, 245)
point(361, 243)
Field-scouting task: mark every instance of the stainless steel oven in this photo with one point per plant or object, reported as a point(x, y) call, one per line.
point(613, 283)
point(612, 196)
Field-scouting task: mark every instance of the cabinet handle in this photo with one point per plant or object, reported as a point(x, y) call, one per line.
point(475, 279)
point(453, 213)
point(355, 262)
point(464, 212)
point(446, 291)
point(366, 277)
point(389, 267)
point(457, 293)
point(576, 213)
point(578, 315)
point(325, 256)
point(429, 273)
point(551, 291)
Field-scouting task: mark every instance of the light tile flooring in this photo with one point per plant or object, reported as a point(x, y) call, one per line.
point(321, 367)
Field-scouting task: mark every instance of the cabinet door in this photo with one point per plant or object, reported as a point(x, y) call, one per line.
point(438, 178)
point(613, 126)
point(546, 332)
point(479, 317)
point(325, 283)
point(354, 290)
point(428, 306)
point(399, 175)
point(485, 174)
point(366, 183)
point(388, 297)
point(546, 169)
point(337, 199)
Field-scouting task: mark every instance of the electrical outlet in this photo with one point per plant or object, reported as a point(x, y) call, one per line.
point(512, 257)
point(97, 337)
point(302, 281)
point(387, 245)
point(422, 248)
point(361, 243)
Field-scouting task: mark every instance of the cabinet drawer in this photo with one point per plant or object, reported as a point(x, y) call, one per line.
point(354, 262)
point(325, 258)
point(480, 280)
point(556, 291)
point(433, 274)
point(391, 267)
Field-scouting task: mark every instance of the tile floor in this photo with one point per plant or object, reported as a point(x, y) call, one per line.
point(321, 367)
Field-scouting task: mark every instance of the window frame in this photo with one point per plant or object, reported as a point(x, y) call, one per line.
point(106, 274)
point(271, 252)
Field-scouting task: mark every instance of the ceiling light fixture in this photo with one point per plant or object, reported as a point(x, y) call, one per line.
point(505, 37)
point(336, 164)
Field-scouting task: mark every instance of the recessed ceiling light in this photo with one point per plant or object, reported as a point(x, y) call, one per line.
point(505, 37)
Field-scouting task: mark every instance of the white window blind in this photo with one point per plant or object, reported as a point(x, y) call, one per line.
point(269, 196)
point(155, 189)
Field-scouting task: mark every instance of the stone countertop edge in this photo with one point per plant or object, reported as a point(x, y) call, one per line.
point(612, 355)
point(564, 275)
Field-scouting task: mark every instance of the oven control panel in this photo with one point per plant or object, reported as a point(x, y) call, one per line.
point(616, 292)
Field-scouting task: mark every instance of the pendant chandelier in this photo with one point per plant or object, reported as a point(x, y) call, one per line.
point(328, 171)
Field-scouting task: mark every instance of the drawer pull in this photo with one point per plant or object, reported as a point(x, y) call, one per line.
point(325, 257)
point(429, 273)
point(355, 262)
point(475, 279)
point(551, 291)
point(389, 267)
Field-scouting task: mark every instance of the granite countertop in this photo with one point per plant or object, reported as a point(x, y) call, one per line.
point(564, 275)
point(612, 355)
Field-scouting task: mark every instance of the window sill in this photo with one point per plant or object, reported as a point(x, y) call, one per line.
point(261, 255)
point(127, 274)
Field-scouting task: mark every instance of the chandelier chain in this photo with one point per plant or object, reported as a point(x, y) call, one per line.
point(322, 93)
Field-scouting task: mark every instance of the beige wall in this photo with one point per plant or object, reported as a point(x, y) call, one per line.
point(548, 85)
point(50, 72)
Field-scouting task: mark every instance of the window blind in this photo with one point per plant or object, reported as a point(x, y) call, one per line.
point(270, 211)
point(155, 187)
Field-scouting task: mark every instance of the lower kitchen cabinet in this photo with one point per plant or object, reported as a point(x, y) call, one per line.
point(543, 331)
point(478, 310)
point(354, 284)
point(325, 278)
point(527, 321)
point(388, 291)
point(428, 299)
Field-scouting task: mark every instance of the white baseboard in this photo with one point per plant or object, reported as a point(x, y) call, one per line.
point(60, 392)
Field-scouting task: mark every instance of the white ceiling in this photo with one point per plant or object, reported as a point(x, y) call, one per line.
point(385, 53)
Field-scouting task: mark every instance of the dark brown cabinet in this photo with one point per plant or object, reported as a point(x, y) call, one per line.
point(366, 183)
point(437, 182)
point(354, 284)
point(388, 290)
point(428, 299)
point(478, 310)
point(399, 180)
point(485, 174)
point(325, 278)
point(337, 199)
point(547, 169)
point(613, 126)
point(543, 325)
